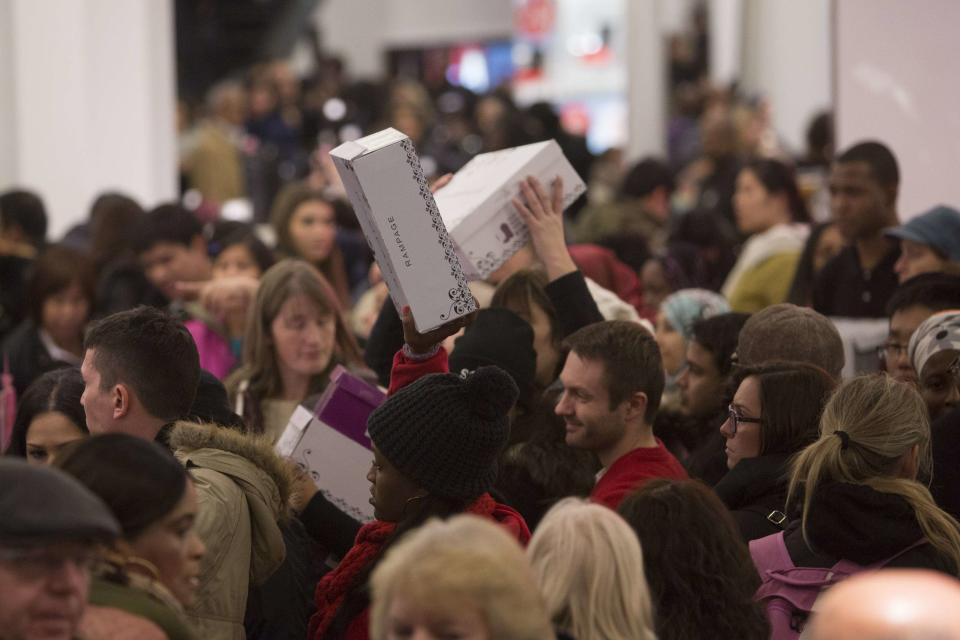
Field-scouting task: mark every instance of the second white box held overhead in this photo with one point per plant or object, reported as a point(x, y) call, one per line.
point(400, 220)
point(476, 205)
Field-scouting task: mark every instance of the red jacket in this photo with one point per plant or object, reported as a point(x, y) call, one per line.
point(632, 469)
point(406, 371)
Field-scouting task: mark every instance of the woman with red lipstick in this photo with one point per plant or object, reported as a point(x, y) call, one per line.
point(296, 335)
point(153, 571)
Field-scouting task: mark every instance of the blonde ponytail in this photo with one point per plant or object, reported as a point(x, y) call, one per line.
point(867, 431)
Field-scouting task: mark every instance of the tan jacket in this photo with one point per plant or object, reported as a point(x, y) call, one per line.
point(243, 489)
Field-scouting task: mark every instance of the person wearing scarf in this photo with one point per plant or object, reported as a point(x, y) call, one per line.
point(435, 445)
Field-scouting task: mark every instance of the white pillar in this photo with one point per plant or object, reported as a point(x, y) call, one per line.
point(787, 59)
point(87, 102)
point(725, 27)
point(646, 80)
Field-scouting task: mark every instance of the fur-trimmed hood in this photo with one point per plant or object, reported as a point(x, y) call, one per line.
point(224, 461)
point(188, 439)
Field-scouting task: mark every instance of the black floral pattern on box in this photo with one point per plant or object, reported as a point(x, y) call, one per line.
point(462, 301)
point(340, 503)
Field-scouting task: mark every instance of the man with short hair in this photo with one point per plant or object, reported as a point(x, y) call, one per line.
point(704, 390)
point(141, 371)
point(790, 333)
point(172, 249)
point(612, 382)
point(50, 529)
point(857, 282)
point(913, 302)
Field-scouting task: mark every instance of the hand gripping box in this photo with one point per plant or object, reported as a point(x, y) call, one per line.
point(476, 205)
point(400, 220)
point(331, 443)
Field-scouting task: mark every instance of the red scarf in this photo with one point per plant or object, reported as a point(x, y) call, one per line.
point(333, 588)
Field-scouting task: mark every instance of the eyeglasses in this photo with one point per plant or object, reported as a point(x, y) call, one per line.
point(39, 563)
point(891, 350)
point(737, 418)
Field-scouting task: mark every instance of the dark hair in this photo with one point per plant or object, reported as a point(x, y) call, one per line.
point(646, 176)
point(820, 136)
point(114, 220)
point(152, 353)
point(779, 179)
point(631, 360)
point(880, 159)
point(212, 405)
point(700, 573)
point(139, 480)
point(521, 291)
point(936, 291)
point(792, 397)
point(713, 239)
point(58, 390)
point(24, 209)
point(167, 223)
point(801, 290)
point(719, 335)
point(246, 237)
point(55, 270)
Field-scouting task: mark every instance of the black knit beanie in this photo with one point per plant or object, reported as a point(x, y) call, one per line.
point(497, 337)
point(445, 432)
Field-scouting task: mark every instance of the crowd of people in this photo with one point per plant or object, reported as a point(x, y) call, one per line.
point(646, 431)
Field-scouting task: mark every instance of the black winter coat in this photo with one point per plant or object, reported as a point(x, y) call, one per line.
point(755, 491)
point(857, 523)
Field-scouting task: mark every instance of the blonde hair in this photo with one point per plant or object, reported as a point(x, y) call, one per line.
point(282, 281)
point(883, 420)
point(589, 565)
point(443, 566)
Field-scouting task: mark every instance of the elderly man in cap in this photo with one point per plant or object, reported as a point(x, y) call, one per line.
point(49, 531)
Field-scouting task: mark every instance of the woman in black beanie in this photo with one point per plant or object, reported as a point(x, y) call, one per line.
point(435, 444)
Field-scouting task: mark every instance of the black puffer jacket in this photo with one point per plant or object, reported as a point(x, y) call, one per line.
point(857, 523)
point(755, 491)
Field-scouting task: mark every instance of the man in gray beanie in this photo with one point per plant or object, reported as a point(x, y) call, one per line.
point(49, 531)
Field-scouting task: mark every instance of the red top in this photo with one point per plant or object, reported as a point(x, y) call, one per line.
point(632, 469)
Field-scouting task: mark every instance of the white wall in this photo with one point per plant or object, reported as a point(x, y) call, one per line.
point(90, 102)
point(787, 58)
point(896, 69)
point(362, 30)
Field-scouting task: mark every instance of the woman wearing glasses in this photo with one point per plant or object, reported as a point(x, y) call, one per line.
point(774, 414)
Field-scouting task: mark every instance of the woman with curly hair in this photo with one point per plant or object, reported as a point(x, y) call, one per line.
point(699, 570)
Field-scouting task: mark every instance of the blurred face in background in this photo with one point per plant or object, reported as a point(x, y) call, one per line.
point(903, 323)
point(65, 313)
point(917, 258)
point(673, 347)
point(313, 230)
point(756, 208)
point(701, 383)
point(940, 382)
point(167, 263)
point(236, 260)
point(860, 205)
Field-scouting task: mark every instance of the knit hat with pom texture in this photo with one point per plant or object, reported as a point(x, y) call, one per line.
point(445, 432)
